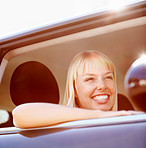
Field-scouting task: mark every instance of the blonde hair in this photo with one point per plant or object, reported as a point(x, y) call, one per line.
point(76, 68)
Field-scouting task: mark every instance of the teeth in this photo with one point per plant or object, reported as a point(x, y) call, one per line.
point(101, 97)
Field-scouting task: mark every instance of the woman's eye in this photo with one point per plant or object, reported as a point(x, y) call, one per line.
point(109, 77)
point(89, 79)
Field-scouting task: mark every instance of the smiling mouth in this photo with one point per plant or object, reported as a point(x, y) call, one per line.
point(101, 99)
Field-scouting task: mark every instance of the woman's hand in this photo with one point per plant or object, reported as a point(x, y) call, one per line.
point(105, 114)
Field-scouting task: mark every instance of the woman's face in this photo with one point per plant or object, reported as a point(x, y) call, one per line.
point(96, 88)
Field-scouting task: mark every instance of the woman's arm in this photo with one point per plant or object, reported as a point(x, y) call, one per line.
point(33, 115)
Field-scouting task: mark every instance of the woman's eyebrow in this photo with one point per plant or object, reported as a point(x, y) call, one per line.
point(89, 74)
point(109, 73)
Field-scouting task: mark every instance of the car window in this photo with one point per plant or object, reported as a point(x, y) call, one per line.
point(121, 36)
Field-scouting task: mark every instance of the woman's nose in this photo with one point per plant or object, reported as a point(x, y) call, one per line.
point(101, 85)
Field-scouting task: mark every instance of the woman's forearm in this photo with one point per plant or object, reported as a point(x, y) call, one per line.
point(45, 114)
point(33, 115)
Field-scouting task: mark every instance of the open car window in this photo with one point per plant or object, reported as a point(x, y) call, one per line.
point(119, 35)
point(29, 59)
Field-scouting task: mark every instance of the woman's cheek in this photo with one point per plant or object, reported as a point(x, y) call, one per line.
point(112, 86)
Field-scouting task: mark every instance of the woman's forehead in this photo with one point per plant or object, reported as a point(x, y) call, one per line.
point(95, 69)
point(94, 65)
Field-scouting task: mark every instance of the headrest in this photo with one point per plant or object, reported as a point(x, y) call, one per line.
point(33, 82)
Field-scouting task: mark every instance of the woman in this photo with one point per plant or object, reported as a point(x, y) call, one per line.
point(90, 93)
point(91, 82)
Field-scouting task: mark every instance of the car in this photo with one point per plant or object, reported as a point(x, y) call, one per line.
point(29, 59)
point(107, 132)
